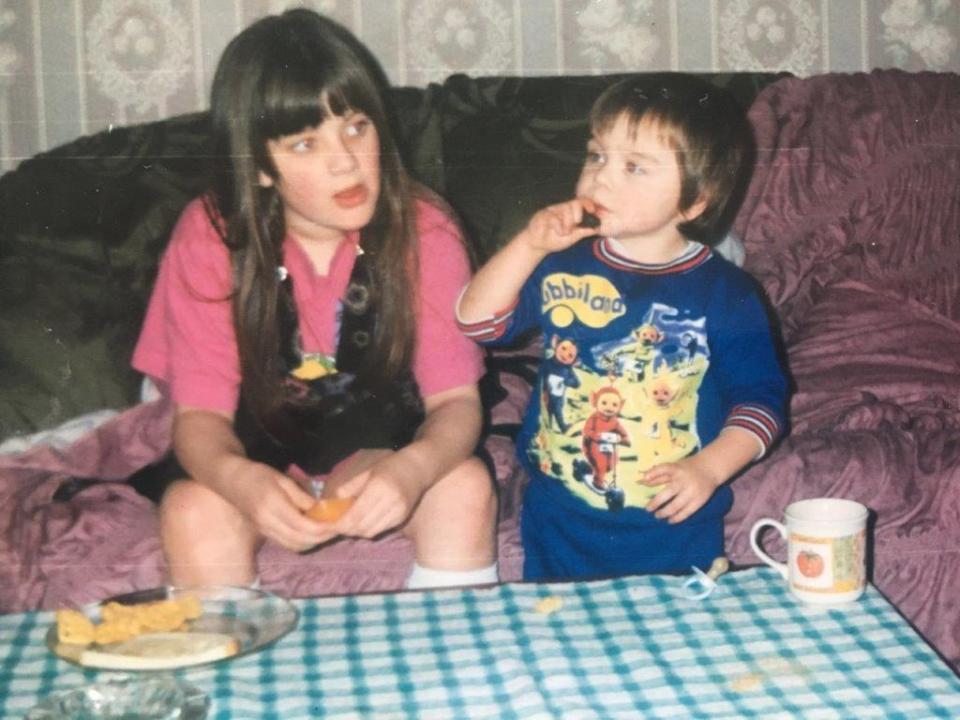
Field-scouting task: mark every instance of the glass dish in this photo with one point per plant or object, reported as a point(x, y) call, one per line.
point(126, 697)
point(252, 618)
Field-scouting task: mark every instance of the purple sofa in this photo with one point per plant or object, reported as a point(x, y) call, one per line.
point(852, 225)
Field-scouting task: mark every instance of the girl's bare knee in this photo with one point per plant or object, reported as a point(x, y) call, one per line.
point(463, 502)
point(183, 500)
point(189, 508)
point(472, 484)
point(454, 526)
point(470, 497)
point(206, 540)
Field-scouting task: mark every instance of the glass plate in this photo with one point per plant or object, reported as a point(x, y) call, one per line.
point(253, 618)
point(140, 697)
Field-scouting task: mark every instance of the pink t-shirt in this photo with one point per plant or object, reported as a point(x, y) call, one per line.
point(188, 340)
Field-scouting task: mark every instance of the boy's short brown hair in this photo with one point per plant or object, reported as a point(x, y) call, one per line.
point(706, 127)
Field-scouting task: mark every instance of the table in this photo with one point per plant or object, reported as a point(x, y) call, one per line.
point(626, 648)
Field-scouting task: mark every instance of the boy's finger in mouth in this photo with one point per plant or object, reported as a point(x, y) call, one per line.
point(589, 220)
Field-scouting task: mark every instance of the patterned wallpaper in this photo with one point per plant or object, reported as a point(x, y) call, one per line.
point(72, 67)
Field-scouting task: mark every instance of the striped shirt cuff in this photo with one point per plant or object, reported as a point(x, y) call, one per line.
point(488, 329)
point(758, 421)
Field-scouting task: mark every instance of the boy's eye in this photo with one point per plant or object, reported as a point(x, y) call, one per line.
point(635, 169)
point(594, 157)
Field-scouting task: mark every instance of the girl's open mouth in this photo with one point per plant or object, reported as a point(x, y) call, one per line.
point(352, 196)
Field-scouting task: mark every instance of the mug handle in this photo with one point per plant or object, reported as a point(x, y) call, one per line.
point(755, 531)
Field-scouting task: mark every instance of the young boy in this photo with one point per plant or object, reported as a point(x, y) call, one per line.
point(678, 386)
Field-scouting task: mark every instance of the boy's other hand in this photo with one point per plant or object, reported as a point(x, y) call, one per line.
point(687, 485)
point(557, 227)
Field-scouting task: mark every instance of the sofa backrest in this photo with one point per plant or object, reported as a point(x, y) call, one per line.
point(82, 227)
point(514, 145)
point(81, 230)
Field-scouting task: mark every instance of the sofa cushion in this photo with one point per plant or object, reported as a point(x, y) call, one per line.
point(856, 179)
point(875, 418)
point(863, 357)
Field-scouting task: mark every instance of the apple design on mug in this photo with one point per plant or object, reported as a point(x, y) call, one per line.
point(809, 563)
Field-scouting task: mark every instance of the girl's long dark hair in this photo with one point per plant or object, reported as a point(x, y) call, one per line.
point(279, 76)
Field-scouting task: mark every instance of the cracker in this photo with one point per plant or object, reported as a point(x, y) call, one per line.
point(191, 607)
point(114, 611)
point(161, 616)
point(74, 628)
point(120, 622)
point(115, 631)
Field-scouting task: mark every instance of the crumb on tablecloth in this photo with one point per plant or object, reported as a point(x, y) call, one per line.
point(549, 604)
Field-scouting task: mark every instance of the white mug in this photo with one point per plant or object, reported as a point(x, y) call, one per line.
point(826, 549)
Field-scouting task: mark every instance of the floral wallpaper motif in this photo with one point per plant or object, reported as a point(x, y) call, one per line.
point(10, 59)
point(762, 34)
point(920, 32)
point(139, 60)
point(617, 32)
point(10, 63)
point(138, 51)
point(445, 37)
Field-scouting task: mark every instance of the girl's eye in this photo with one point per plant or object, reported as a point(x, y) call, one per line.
point(594, 157)
point(635, 169)
point(302, 145)
point(357, 127)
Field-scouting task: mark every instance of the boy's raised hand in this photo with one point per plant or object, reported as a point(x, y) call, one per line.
point(495, 286)
point(559, 226)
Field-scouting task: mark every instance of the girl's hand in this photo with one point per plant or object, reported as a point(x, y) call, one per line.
point(688, 484)
point(274, 505)
point(386, 495)
point(557, 227)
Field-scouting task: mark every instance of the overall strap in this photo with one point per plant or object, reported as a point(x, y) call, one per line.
point(331, 417)
point(357, 319)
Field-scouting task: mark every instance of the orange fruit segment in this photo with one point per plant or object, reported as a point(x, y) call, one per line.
point(329, 509)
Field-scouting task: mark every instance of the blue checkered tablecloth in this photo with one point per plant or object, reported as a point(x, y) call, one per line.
point(626, 648)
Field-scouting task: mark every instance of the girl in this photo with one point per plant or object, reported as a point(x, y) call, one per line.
point(303, 324)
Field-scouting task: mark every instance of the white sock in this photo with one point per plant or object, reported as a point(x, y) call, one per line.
point(423, 577)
